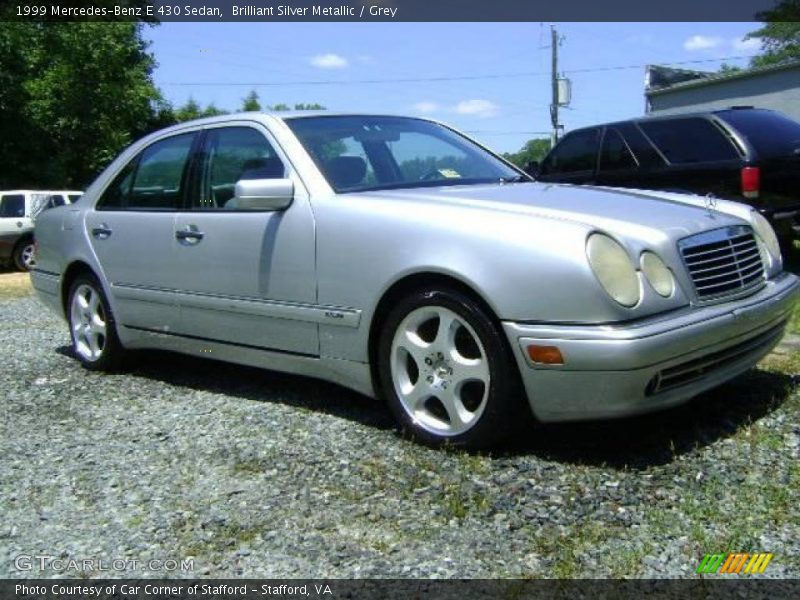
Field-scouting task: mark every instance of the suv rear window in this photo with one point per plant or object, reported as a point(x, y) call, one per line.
point(12, 205)
point(691, 140)
point(770, 133)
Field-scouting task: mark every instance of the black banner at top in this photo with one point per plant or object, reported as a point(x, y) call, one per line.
point(396, 10)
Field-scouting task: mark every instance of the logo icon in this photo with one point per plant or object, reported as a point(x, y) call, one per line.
point(710, 202)
point(735, 562)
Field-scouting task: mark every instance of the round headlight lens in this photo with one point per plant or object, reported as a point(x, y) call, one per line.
point(657, 273)
point(767, 234)
point(613, 268)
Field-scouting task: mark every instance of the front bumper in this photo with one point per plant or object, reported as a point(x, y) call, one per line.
point(618, 370)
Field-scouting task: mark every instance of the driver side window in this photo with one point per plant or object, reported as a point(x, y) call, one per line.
point(231, 154)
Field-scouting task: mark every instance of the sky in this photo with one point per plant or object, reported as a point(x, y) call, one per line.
point(491, 80)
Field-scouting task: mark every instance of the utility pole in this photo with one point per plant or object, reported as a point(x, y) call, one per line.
point(554, 82)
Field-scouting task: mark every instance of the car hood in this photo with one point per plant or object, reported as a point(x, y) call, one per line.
point(635, 212)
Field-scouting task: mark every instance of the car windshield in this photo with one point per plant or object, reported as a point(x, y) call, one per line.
point(361, 153)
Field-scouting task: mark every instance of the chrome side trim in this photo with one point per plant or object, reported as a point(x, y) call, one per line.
point(277, 309)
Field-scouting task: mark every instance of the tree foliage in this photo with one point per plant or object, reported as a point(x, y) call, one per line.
point(780, 35)
point(192, 110)
point(533, 150)
point(73, 95)
point(250, 102)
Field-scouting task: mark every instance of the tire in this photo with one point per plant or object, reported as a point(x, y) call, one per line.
point(446, 372)
point(91, 325)
point(24, 255)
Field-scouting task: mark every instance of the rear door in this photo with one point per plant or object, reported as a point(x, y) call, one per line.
point(132, 232)
point(617, 165)
point(700, 157)
point(245, 277)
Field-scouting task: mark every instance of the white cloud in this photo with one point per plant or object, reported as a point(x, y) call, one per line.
point(426, 107)
point(746, 45)
point(477, 107)
point(702, 42)
point(329, 61)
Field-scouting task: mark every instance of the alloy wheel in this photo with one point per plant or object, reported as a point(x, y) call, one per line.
point(440, 370)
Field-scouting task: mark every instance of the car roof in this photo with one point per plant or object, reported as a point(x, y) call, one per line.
point(700, 113)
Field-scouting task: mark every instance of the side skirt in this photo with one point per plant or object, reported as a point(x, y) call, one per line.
point(350, 374)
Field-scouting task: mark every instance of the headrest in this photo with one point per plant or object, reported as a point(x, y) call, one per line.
point(263, 168)
point(346, 171)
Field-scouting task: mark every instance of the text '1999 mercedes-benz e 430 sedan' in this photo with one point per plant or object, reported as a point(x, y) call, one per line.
point(399, 258)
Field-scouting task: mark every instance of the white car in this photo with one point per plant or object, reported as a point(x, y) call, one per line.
point(18, 209)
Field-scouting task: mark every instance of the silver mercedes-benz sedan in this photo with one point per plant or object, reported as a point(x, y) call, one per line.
point(399, 258)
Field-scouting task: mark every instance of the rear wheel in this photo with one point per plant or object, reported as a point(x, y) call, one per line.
point(92, 326)
point(446, 371)
point(24, 255)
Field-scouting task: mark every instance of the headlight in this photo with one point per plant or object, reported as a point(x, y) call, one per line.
point(657, 273)
point(767, 234)
point(613, 268)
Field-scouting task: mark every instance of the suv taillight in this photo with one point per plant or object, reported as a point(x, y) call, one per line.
point(751, 182)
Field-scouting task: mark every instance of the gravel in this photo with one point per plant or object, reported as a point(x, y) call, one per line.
point(257, 474)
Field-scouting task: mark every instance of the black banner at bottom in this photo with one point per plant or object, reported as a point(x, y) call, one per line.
point(407, 589)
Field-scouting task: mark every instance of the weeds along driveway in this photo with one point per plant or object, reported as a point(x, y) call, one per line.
point(257, 474)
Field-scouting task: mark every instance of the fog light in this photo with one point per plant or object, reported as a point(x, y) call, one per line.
point(545, 355)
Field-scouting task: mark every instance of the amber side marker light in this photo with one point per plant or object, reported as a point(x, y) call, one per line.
point(545, 355)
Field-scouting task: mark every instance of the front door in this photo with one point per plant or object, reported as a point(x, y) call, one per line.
point(245, 277)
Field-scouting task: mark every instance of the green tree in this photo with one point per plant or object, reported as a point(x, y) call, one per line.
point(780, 35)
point(312, 106)
point(212, 111)
point(74, 95)
point(534, 149)
point(250, 102)
point(190, 110)
point(727, 69)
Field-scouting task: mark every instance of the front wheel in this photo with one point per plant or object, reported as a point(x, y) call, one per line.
point(446, 371)
point(92, 326)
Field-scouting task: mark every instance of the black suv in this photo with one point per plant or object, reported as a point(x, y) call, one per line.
point(746, 154)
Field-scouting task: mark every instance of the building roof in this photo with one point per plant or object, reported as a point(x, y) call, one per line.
point(715, 78)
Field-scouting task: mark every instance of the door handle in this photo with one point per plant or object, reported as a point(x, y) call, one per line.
point(102, 232)
point(189, 234)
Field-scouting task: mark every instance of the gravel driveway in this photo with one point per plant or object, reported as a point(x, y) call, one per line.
point(252, 473)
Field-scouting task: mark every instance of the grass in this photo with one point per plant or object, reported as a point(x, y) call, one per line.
point(15, 285)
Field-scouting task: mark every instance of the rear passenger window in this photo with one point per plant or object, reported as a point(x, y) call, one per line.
point(157, 183)
point(152, 180)
point(690, 140)
point(615, 155)
point(576, 152)
point(233, 154)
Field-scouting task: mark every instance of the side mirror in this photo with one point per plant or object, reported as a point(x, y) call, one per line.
point(532, 168)
point(262, 194)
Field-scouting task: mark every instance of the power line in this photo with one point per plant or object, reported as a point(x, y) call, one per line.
point(682, 62)
point(322, 82)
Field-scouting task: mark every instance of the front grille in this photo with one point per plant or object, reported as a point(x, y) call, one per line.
point(699, 368)
point(723, 262)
